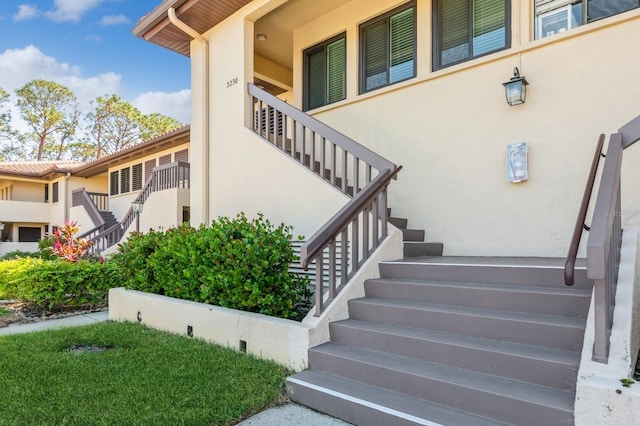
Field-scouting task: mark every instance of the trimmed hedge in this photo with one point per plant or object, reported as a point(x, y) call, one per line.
point(237, 263)
point(53, 285)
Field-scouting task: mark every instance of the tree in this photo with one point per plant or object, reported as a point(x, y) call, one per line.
point(9, 148)
point(51, 112)
point(115, 124)
point(156, 124)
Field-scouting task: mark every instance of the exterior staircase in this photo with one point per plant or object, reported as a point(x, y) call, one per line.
point(109, 218)
point(414, 239)
point(453, 341)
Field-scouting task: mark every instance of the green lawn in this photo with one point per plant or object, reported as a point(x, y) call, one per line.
point(145, 378)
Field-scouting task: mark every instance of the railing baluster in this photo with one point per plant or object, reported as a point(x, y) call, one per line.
point(356, 175)
point(319, 285)
point(333, 165)
point(332, 270)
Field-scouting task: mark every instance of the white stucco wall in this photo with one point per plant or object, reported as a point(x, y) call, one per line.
point(246, 174)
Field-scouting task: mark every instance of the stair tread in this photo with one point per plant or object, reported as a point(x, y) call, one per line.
point(512, 389)
point(488, 286)
point(409, 408)
point(480, 312)
point(474, 342)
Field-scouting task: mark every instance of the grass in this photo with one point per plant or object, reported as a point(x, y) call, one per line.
point(4, 312)
point(147, 377)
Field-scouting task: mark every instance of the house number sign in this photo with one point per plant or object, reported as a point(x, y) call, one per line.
point(232, 82)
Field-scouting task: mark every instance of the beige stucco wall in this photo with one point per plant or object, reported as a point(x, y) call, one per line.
point(25, 190)
point(119, 204)
point(246, 174)
point(449, 129)
point(163, 209)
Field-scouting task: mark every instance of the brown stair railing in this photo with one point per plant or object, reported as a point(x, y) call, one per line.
point(168, 176)
point(332, 156)
point(92, 202)
point(570, 264)
point(349, 238)
point(605, 238)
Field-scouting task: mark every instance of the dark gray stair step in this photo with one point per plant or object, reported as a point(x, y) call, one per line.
point(413, 235)
point(499, 271)
point(398, 222)
point(561, 301)
point(362, 404)
point(564, 333)
point(419, 249)
point(533, 364)
point(484, 395)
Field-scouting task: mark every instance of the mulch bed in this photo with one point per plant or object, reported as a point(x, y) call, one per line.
point(24, 313)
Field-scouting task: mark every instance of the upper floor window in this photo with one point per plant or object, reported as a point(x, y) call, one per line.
point(113, 183)
point(466, 29)
point(136, 177)
point(54, 190)
point(325, 73)
point(388, 48)
point(556, 16)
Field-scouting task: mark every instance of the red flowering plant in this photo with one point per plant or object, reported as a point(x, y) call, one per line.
point(65, 244)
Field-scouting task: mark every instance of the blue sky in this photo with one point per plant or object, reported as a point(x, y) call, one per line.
point(87, 45)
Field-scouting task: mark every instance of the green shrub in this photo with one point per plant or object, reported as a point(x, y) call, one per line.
point(236, 263)
point(13, 272)
point(19, 254)
point(54, 285)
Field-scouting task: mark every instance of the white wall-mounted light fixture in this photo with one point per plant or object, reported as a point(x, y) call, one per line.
point(261, 37)
point(1, 227)
point(516, 88)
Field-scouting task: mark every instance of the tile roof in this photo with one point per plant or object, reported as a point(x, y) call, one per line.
point(37, 168)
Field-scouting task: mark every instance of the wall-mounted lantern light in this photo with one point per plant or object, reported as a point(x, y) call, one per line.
point(136, 206)
point(1, 227)
point(516, 88)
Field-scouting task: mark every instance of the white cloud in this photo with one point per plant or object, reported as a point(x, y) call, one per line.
point(20, 66)
point(176, 104)
point(71, 10)
point(26, 12)
point(114, 20)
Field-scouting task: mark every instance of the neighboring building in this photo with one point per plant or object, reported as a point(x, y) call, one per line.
point(37, 196)
point(419, 84)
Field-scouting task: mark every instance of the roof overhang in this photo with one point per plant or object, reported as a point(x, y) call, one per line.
point(151, 146)
point(201, 15)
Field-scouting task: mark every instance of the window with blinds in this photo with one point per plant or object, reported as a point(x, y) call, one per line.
point(149, 165)
point(125, 183)
point(113, 183)
point(54, 192)
point(388, 48)
point(466, 29)
point(558, 16)
point(136, 177)
point(325, 73)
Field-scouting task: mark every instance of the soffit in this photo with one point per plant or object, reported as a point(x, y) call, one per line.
point(202, 15)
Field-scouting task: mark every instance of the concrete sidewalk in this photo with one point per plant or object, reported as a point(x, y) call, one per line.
point(286, 415)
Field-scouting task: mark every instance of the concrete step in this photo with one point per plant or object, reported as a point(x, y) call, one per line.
point(398, 222)
point(468, 391)
point(560, 301)
point(528, 271)
point(564, 333)
point(419, 249)
point(533, 364)
point(413, 235)
point(362, 404)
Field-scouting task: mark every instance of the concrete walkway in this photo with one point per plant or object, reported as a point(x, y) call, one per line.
point(286, 415)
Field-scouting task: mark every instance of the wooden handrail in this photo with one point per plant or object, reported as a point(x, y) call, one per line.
point(80, 197)
point(570, 263)
point(344, 216)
